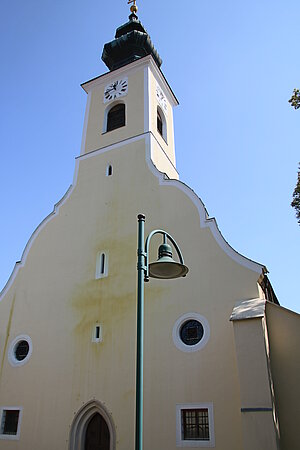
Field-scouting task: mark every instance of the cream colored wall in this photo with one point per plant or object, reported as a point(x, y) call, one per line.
point(58, 302)
point(259, 427)
point(134, 102)
point(284, 337)
point(161, 160)
point(167, 146)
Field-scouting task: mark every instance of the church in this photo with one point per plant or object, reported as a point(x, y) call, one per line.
point(219, 357)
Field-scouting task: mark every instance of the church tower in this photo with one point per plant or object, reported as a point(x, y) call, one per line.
point(133, 101)
point(68, 312)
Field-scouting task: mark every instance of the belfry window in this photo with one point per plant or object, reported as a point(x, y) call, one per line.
point(116, 117)
point(161, 124)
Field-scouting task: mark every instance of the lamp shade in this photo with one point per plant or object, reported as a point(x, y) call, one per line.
point(165, 267)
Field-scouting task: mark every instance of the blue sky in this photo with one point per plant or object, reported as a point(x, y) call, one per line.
point(233, 66)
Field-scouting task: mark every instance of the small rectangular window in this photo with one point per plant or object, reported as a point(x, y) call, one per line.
point(195, 425)
point(10, 423)
point(97, 334)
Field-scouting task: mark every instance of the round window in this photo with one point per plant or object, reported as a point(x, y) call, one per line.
point(191, 332)
point(20, 350)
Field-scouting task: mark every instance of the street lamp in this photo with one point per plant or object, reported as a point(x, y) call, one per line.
point(164, 268)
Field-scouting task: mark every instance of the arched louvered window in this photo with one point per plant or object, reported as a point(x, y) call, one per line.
point(159, 123)
point(116, 117)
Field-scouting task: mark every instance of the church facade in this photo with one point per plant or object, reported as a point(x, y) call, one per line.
point(221, 358)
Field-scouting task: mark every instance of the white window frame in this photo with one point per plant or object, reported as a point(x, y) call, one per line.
point(11, 351)
point(177, 327)
point(94, 336)
point(10, 437)
point(99, 274)
point(180, 442)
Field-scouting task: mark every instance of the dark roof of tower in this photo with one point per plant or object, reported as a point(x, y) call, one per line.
point(131, 42)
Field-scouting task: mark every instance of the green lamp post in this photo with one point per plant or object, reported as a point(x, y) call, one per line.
point(164, 268)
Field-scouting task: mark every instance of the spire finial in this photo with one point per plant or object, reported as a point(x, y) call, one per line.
point(133, 8)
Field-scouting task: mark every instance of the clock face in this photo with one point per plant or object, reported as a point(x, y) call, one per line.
point(161, 98)
point(114, 90)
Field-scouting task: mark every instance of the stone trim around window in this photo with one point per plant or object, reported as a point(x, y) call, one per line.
point(12, 358)
point(4, 432)
point(177, 329)
point(180, 441)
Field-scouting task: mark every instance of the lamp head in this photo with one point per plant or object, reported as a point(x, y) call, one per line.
point(165, 267)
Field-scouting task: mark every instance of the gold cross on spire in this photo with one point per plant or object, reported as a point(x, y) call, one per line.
point(133, 8)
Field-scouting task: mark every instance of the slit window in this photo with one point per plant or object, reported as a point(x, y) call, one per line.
point(116, 117)
point(109, 170)
point(97, 334)
point(101, 265)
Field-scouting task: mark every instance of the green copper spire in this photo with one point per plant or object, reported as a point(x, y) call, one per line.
point(131, 43)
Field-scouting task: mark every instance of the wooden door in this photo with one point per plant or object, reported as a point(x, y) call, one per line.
point(97, 434)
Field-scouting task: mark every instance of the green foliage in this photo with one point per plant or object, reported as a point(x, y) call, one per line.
point(295, 99)
point(296, 197)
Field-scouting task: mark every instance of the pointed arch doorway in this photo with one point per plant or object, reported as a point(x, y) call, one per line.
point(92, 429)
point(97, 435)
